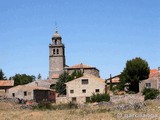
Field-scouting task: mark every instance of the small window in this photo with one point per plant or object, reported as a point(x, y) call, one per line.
point(25, 93)
point(57, 51)
point(55, 42)
point(84, 81)
point(73, 99)
point(71, 91)
point(84, 91)
point(54, 52)
point(88, 99)
point(148, 85)
point(97, 90)
point(29, 93)
point(13, 94)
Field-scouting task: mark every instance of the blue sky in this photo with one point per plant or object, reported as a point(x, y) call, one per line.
point(100, 33)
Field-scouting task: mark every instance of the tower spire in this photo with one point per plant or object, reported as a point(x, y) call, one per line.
point(56, 27)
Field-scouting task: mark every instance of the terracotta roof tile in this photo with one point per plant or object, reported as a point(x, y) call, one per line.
point(80, 66)
point(6, 83)
point(152, 72)
point(114, 80)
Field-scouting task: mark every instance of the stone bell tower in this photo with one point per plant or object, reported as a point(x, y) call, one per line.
point(56, 56)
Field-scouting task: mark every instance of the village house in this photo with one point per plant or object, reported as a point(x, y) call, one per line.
point(30, 92)
point(114, 80)
point(152, 82)
point(81, 89)
point(43, 83)
point(4, 85)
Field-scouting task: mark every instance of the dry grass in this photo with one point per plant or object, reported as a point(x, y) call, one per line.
point(92, 113)
point(52, 115)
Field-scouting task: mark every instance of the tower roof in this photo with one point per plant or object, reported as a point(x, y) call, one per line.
point(56, 35)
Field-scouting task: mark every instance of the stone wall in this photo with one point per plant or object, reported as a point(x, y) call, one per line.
point(60, 100)
point(127, 98)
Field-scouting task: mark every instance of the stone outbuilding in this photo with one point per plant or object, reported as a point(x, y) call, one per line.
point(81, 89)
point(4, 85)
point(27, 92)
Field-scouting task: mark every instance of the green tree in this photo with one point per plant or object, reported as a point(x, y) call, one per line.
point(135, 71)
point(65, 77)
point(60, 84)
point(2, 75)
point(21, 79)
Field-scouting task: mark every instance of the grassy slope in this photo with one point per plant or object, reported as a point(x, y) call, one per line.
point(94, 113)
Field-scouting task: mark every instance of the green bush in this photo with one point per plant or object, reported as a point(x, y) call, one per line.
point(100, 97)
point(43, 106)
point(70, 105)
point(150, 93)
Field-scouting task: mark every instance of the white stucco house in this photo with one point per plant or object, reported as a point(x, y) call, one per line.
point(81, 89)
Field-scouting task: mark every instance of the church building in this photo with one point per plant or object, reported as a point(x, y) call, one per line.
point(57, 61)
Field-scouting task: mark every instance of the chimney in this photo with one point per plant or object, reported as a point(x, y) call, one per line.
point(36, 83)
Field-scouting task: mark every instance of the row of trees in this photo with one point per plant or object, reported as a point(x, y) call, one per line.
point(20, 79)
point(2, 75)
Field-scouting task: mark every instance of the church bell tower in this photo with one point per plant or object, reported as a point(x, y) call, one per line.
point(56, 56)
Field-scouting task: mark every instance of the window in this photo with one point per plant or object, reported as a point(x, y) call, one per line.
point(54, 52)
point(73, 99)
point(84, 81)
point(84, 91)
point(25, 93)
point(88, 99)
point(97, 90)
point(55, 42)
point(29, 93)
point(148, 85)
point(13, 94)
point(57, 51)
point(71, 91)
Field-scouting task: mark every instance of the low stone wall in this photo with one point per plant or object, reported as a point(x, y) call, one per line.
point(63, 99)
point(127, 98)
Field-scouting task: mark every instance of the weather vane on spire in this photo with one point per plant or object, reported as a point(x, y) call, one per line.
point(56, 27)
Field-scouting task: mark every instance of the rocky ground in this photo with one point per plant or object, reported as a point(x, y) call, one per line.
point(131, 107)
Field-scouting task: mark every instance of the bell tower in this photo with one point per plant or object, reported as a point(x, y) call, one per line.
point(56, 56)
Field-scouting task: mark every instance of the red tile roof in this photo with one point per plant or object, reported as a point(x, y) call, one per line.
point(114, 80)
point(152, 72)
point(80, 66)
point(6, 83)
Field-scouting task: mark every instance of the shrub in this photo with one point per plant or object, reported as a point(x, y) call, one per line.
point(70, 105)
point(150, 93)
point(43, 106)
point(100, 97)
